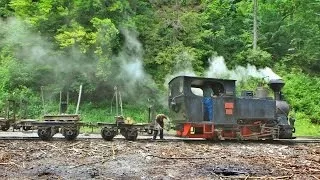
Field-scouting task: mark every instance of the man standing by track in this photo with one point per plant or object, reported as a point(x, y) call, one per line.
point(158, 126)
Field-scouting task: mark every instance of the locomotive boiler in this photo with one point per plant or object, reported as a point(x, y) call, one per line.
point(209, 108)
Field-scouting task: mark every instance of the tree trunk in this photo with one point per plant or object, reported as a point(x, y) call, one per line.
point(255, 33)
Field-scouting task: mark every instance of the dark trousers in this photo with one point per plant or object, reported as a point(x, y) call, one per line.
point(155, 134)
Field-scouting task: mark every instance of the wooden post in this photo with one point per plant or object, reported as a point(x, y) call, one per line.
point(116, 94)
point(79, 98)
point(120, 103)
point(42, 97)
point(60, 101)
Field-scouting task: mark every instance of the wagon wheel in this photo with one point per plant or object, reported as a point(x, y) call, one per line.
point(45, 134)
point(71, 134)
point(150, 131)
point(5, 127)
point(131, 135)
point(107, 134)
point(26, 128)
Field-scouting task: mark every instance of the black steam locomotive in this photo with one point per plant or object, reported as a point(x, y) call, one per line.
point(209, 108)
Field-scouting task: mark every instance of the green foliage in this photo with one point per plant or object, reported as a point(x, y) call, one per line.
point(61, 44)
point(175, 59)
point(32, 100)
point(106, 113)
point(303, 93)
point(6, 61)
point(304, 127)
point(251, 84)
point(75, 35)
point(5, 10)
point(250, 56)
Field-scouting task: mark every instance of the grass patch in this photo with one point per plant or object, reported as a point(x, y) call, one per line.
point(304, 127)
point(89, 130)
point(104, 113)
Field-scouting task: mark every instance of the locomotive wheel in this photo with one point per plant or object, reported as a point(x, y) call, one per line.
point(107, 134)
point(285, 133)
point(131, 135)
point(26, 128)
point(45, 134)
point(71, 134)
point(150, 131)
point(5, 127)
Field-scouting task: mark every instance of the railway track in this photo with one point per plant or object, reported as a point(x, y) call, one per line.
point(169, 138)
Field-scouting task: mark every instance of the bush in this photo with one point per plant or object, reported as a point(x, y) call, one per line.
point(303, 94)
point(304, 127)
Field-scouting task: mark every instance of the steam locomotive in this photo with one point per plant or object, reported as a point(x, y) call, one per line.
point(209, 108)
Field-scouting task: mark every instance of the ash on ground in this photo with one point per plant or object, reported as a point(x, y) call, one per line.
point(120, 159)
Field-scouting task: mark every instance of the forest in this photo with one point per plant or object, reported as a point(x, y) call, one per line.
point(48, 46)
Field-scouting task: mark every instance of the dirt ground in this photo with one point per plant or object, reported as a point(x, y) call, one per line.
point(120, 159)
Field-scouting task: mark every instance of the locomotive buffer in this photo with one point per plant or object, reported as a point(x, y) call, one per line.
point(16, 115)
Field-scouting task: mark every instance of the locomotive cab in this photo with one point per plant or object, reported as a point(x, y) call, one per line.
point(196, 99)
point(199, 104)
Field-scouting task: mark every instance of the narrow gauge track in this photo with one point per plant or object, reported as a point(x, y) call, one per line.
point(169, 138)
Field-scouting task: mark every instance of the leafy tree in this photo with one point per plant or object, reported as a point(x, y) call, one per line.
point(66, 43)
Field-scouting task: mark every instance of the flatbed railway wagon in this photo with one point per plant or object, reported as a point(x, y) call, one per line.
point(15, 116)
point(66, 124)
point(128, 131)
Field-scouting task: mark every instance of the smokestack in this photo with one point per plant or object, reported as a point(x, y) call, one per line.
point(276, 85)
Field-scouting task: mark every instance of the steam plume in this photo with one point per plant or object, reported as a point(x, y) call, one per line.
point(218, 69)
point(129, 74)
point(35, 51)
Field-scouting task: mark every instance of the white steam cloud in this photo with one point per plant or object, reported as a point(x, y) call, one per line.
point(129, 74)
point(127, 71)
point(134, 70)
point(218, 69)
point(35, 51)
point(131, 70)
